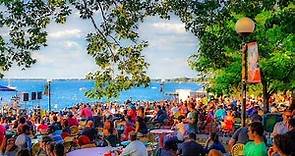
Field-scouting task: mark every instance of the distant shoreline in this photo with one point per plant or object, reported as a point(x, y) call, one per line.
point(81, 79)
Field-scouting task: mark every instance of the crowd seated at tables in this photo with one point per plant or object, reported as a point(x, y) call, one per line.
point(129, 125)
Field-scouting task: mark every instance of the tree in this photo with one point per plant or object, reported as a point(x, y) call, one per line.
point(213, 23)
point(115, 44)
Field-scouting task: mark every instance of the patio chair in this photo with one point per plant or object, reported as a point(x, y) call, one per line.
point(237, 150)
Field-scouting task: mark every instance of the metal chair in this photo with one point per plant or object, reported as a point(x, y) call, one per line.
point(237, 150)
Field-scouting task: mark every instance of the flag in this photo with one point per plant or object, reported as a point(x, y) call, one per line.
point(253, 68)
point(46, 90)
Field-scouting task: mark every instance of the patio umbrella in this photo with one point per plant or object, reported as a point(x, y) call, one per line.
point(5, 88)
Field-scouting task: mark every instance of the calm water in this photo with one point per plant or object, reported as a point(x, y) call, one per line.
point(65, 93)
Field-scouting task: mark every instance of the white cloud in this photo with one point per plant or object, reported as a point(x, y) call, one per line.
point(171, 27)
point(65, 33)
point(71, 45)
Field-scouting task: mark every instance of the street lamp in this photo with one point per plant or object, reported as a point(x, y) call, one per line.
point(244, 27)
point(49, 94)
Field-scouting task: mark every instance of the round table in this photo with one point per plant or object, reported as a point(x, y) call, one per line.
point(96, 151)
point(162, 133)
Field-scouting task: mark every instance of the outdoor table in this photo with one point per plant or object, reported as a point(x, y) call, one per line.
point(96, 151)
point(162, 133)
point(150, 116)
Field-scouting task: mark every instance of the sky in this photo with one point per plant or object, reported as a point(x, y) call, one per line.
point(66, 56)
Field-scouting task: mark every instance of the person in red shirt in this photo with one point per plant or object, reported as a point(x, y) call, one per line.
point(2, 133)
point(72, 121)
point(132, 113)
point(42, 128)
point(86, 112)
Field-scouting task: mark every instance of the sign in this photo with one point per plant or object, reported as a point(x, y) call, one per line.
point(252, 62)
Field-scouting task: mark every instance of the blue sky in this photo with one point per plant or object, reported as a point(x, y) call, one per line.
point(66, 57)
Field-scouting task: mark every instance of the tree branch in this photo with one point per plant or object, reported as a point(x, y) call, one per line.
point(100, 32)
point(105, 21)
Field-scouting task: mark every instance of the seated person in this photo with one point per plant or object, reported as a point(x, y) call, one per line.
point(84, 142)
point(43, 127)
point(170, 148)
point(59, 150)
point(181, 128)
point(161, 115)
point(8, 147)
point(256, 147)
point(140, 124)
point(90, 131)
point(43, 142)
point(110, 133)
point(217, 145)
point(283, 126)
point(135, 147)
point(190, 147)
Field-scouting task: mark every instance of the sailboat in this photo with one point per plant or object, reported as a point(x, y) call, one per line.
point(9, 85)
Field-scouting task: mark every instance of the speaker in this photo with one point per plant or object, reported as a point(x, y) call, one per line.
point(39, 95)
point(33, 96)
point(25, 96)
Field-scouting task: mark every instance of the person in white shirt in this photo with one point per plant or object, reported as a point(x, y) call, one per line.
point(135, 147)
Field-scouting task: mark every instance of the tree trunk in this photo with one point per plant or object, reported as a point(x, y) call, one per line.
point(266, 94)
point(292, 105)
point(265, 99)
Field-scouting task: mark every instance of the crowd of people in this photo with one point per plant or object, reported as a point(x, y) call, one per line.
point(129, 125)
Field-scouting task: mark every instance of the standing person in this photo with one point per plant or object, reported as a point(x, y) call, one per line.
point(192, 119)
point(190, 147)
point(135, 147)
point(283, 126)
point(256, 147)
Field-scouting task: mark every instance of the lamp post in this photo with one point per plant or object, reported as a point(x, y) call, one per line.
point(244, 27)
point(49, 94)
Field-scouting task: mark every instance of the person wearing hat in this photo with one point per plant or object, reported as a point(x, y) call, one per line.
point(135, 147)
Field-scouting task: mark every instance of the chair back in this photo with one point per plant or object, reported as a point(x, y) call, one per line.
point(269, 121)
point(237, 150)
point(74, 130)
point(35, 149)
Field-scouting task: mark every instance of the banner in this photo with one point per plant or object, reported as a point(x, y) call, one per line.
point(253, 68)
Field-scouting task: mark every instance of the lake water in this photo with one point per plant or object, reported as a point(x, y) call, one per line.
point(65, 93)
